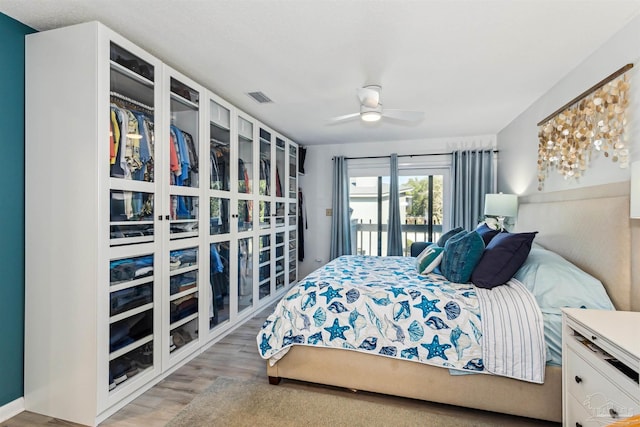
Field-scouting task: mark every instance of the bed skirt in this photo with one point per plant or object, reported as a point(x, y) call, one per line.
point(360, 371)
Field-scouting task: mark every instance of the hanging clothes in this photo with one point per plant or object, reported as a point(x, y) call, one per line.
point(130, 144)
point(278, 184)
point(113, 138)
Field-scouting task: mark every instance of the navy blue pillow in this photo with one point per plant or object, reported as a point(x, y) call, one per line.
point(449, 234)
point(502, 258)
point(486, 233)
point(461, 254)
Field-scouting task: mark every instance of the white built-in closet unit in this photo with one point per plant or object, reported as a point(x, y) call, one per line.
point(158, 217)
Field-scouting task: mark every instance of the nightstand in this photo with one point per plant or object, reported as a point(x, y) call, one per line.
point(600, 366)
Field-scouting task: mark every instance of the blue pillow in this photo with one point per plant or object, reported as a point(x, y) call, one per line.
point(429, 259)
point(449, 234)
point(486, 232)
point(461, 254)
point(503, 256)
point(557, 283)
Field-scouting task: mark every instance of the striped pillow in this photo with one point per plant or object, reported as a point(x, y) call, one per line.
point(429, 259)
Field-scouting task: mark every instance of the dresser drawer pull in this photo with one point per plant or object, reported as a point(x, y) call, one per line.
point(613, 413)
point(593, 337)
point(578, 379)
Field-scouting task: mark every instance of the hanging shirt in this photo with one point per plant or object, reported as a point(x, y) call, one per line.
point(174, 163)
point(184, 156)
point(114, 136)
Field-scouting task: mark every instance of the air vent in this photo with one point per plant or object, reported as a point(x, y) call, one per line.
point(260, 97)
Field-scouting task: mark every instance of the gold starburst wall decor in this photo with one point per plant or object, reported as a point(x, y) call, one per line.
point(595, 120)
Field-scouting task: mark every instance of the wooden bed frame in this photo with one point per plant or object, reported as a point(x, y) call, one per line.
point(589, 226)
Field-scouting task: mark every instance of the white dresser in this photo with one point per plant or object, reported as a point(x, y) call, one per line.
point(601, 362)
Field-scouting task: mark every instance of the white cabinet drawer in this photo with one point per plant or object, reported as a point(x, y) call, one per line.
point(578, 416)
point(600, 397)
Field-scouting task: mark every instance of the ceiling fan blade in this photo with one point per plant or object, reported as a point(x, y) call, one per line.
point(410, 116)
point(345, 117)
point(369, 96)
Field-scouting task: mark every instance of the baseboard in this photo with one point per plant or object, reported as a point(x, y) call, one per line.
point(11, 409)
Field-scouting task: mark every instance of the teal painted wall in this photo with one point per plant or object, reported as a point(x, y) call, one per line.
point(12, 35)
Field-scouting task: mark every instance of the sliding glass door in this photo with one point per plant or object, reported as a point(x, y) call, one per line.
point(422, 209)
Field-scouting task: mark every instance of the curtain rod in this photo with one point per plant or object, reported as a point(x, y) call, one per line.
point(402, 155)
point(587, 92)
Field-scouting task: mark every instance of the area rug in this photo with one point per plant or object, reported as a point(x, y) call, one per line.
point(234, 402)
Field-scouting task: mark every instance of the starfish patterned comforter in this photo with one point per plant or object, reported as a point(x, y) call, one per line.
point(380, 305)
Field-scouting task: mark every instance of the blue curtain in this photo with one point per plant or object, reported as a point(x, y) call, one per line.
point(394, 235)
point(340, 217)
point(473, 177)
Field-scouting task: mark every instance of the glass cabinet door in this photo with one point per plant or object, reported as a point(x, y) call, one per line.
point(132, 189)
point(131, 148)
point(184, 160)
point(221, 152)
point(184, 253)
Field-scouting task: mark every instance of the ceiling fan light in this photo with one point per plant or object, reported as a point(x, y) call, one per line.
point(370, 116)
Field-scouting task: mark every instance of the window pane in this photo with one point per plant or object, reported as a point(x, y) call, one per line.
point(421, 211)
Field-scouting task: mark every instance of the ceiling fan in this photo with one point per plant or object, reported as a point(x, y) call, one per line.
point(371, 108)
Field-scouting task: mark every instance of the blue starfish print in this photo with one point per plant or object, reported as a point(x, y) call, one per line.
point(336, 330)
point(396, 291)
point(308, 285)
point(331, 293)
point(427, 306)
point(435, 349)
point(264, 345)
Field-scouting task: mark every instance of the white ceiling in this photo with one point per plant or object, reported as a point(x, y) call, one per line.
point(471, 66)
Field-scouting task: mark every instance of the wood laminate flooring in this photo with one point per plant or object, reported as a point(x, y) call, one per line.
point(236, 355)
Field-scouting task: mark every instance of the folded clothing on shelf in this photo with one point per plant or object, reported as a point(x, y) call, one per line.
point(183, 308)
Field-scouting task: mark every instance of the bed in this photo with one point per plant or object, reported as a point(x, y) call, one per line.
point(589, 227)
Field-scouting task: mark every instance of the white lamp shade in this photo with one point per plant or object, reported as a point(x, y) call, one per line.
point(634, 192)
point(501, 204)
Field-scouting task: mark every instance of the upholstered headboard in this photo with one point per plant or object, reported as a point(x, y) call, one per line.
point(591, 228)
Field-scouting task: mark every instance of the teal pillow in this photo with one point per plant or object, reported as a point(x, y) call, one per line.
point(461, 255)
point(449, 234)
point(429, 259)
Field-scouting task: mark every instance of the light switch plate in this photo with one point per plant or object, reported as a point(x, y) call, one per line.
point(329, 212)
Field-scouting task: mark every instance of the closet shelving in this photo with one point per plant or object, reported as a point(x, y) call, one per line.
point(133, 265)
